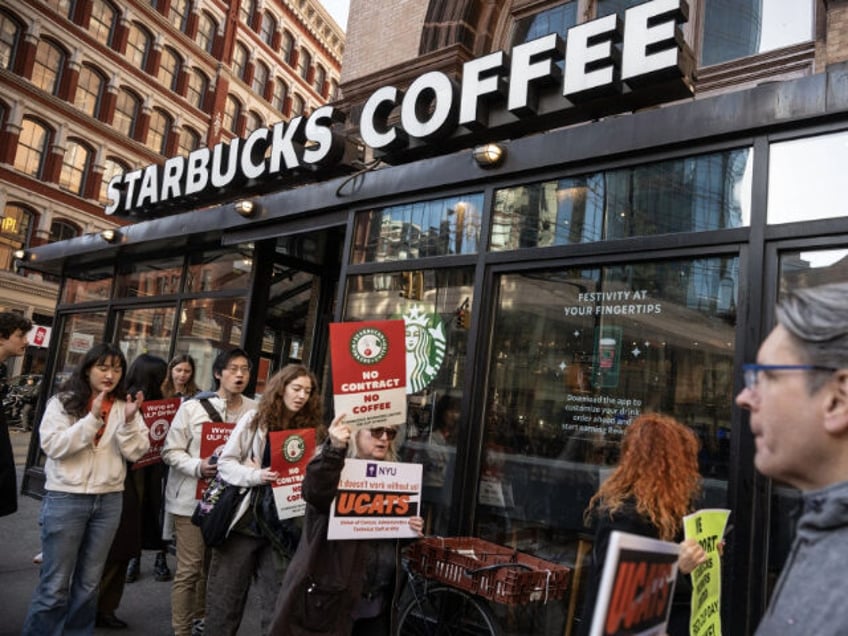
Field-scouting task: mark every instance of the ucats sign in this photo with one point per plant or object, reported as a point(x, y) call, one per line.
point(608, 65)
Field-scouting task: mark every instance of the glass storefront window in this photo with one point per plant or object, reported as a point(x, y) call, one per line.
point(805, 178)
point(79, 333)
point(576, 354)
point(150, 278)
point(739, 28)
point(146, 330)
point(216, 270)
point(92, 285)
point(425, 228)
point(432, 304)
point(707, 192)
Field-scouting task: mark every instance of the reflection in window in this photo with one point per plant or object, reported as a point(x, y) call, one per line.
point(554, 20)
point(89, 93)
point(150, 278)
point(75, 164)
point(10, 32)
point(220, 270)
point(94, 284)
point(692, 194)
point(79, 332)
point(425, 228)
point(32, 148)
point(740, 28)
point(15, 229)
point(146, 330)
point(101, 25)
point(47, 70)
point(206, 328)
point(806, 178)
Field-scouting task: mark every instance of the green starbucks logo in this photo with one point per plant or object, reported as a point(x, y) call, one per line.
point(369, 346)
point(425, 348)
point(294, 448)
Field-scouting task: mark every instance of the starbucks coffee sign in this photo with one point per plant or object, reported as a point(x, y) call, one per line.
point(608, 65)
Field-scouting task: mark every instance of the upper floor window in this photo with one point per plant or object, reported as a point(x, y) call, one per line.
point(268, 28)
point(102, 23)
point(61, 230)
point(246, 11)
point(260, 78)
point(15, 229)
point(232, 112)
point(198, 85)
point(554, 20)
point(189, 140)
point(75, 165)
point(49, 63)
point(138, 46)
point(304, 63)
point(90, 87)
point(10, 33)
point(334, 89)
point(157, 135)
point(112, 167)
point(746, 27)
point(254, 121)
point(207, 27)
point(240, 57)
point(297, 105)
point(178, 13)
point(127, 107)
point(320, 79)
point(169, 68)
point(287, 48)
point(32, 147)
point(64, 7)
point(281, 91)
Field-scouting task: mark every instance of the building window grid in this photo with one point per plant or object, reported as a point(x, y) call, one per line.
point(111, 168)
point(281, 92)
point(75, 163)
point(32, 148)
point(101, 25)
point(261, 73)
point(268, 28)
point(47, 69)
point(287, 48)
point(232, 111)
point(207, 27)
point(169, 68)
point(89, 92)
point(127, 107)
point(61, 230)
point(63, 7)
point(196, 88)
point(247, 11)
point(320, 79)
point(189, 141)
point(10, 32)
point(240, 57)
point(15, 229)
point(157, 135)
point(298, 105)
point(304, 63)
point(138, 47)
point(178, 14)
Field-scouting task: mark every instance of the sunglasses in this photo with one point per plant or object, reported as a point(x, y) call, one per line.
point(379, 431)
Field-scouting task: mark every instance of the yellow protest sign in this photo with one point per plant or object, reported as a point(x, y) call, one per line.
point(707, 528)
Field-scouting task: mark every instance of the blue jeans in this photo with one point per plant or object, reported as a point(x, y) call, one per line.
point(76, 534)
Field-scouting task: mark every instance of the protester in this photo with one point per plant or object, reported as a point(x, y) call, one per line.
point(140, 516)
point(181, 452)
point(13, 342)
point(649, 492)
point(258, 545)
point(797, 395)
point(351, 583)
point(88, 433)
point(179, 381)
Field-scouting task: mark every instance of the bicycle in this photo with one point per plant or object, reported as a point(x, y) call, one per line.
point(449, 578)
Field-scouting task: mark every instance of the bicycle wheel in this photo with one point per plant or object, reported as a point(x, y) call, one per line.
point(446, 611)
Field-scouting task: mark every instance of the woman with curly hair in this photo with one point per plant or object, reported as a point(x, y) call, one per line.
point(649, 492)
point(259, 545)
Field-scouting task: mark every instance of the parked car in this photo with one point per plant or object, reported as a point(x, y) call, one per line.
point(19, 401)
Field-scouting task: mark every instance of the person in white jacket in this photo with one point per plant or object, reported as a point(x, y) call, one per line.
point(89, 430)
point(259, 545)
point(181, 452)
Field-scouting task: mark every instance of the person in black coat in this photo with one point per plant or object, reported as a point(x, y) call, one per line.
point(13, 342)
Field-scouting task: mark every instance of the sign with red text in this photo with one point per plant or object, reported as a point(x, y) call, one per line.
point(369, 372)
point(375, 500)
point(290, 452)
point(637, 585)
point(157, 414)
point(213, 438)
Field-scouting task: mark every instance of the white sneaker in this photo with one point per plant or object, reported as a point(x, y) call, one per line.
point(38, 558)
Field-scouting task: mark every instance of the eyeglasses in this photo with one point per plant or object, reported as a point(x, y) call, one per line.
point(751, 372)
point(379, 431)
point(236, 369)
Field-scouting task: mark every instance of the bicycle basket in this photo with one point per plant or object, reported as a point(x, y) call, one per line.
point(448, 560)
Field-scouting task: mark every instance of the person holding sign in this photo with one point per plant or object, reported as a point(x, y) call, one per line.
point(797, 396)
point(88, 432)
point(259, 544)
point(231, 371)
point(345, 586)
point(650, 491)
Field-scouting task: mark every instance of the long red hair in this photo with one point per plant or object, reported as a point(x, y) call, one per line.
point(658, 470)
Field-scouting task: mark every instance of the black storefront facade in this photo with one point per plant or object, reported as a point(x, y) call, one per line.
point(597, 272)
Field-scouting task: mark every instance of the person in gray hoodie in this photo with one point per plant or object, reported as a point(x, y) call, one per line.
point(797, 396)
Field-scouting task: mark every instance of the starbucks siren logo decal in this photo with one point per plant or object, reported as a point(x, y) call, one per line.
point(294, 448)
point(369, 346)
point(425, 348)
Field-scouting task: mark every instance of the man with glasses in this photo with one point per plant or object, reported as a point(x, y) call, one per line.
point(797, 395)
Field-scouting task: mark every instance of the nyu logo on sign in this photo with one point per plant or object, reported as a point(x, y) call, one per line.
point(371, 470)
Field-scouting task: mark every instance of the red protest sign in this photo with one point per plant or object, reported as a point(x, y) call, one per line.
point(213, 438)
point(290, 452)
point(157, 415)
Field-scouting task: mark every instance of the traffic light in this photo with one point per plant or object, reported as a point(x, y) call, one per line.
point(412, 285)
point(463, 315)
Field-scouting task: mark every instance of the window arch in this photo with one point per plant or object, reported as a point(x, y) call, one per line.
point(112, 167)
point(232, 111)
point(261, 72)
point(90, 88)
point(287, 48)
point(207, 27)
point(127, 108)
point(254, 121)
point(196, 88)
point(104, 18)
point(178, 14)
point(10, 36)
point(240, 57)
point(138, 46)
point(49, 64)
point(297, 105)
point(160, 126)
point(268, 28)
point(76, 165)
point(169, 68)
point(304, 63)
point(15, 230)
point(33, 145)
point(320, 78)
point(281, 91)
point(189, 140)
point(62, 230)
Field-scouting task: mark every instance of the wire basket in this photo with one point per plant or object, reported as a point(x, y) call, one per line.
point(453, 561)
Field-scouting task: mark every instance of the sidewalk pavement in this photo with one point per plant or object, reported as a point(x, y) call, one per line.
point(146, 604)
